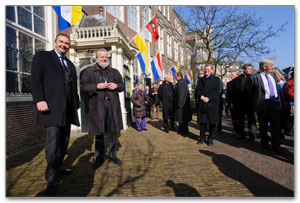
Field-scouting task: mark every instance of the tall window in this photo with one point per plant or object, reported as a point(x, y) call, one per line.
point(168, 13)
point(133, 17)
point(135, 72)
point(145, 20)
point(164, 10)
point(25, 35)
point(181, 55)
point(178, 26)
point(169, 46)
point(117, 11)
point(161, 40)
point(175, 50)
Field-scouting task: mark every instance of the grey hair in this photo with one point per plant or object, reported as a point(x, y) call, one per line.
point(266, 62)
point(102, 50)
point(166, 76)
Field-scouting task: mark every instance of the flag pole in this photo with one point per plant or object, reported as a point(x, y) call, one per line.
point(141, 29)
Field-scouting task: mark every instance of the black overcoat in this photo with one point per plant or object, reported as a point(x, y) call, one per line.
point(166, 96)
point(47, 84)
point(183, 112)
point(89, 78)
point(139, 105)
point(209, 87)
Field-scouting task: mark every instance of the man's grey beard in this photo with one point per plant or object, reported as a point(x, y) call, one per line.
point(103, 65)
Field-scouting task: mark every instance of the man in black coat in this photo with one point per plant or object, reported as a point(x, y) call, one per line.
point(183, 112)
point(242, 103)
point(267, 103)
point(166, 96)
point(148, 93)
point(103, 84)
point(54, 92)
point(208, 110)
point(229, 101)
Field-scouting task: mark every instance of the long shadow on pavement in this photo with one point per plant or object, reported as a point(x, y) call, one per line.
point(24, 157)
point(230, 139)
point(183, 190)
point(256, 183)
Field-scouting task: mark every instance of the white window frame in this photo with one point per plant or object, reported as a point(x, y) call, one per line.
point(168, 13)
point(133, 21)
point(161, 40)
point(181, 55)
point(175, 50)
point(145, 20)
point(169, 46)
point(116, 11)
point(48, 20)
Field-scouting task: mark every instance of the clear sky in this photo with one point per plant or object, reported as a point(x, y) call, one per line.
point(282, 45)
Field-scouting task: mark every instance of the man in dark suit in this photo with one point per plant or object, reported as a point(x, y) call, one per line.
point(166, 96)
point(183, 112)
point(267, 103)
point(229, 101)
point(208, 113)
point(103, 84)
point(242, 104)
point(148, 93)
point(54, 92)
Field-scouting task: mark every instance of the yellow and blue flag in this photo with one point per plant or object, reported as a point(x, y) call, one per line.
point(67, 16)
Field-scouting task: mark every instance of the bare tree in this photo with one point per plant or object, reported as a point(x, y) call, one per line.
point(228, 35)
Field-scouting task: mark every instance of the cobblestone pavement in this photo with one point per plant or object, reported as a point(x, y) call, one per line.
point(159, 164)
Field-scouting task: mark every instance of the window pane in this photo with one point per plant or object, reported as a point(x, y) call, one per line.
point(10, 13)
point(11, 37)
point(39, 10)
point(25, 43)
point(24, 18)
point(39, 46)
point(12, 83)
point(39, 26)
point(11, 59)
point(25, 62)
point(25, 84)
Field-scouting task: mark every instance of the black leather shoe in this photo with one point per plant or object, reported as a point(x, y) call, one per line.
point(266, 146)
point(166, 130)
point(210, 142)
point(251, 139)
point(114, 160)
point(278, 150)
point(240, 137)
point(97, 164)
point(144, 129)
point(51, 188)
point(66, 171)
point(201, 140)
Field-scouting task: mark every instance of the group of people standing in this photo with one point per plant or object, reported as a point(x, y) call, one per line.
point(259, 96)
point(55, 94)
point(175, 102)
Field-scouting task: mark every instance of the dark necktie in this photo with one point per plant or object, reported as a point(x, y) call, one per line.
point(63, 64)
point(272, 93)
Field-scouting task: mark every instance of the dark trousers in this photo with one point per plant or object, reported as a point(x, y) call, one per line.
point(57, 140)
point(234, 119)
point(211, 129)
point(110, 129)
point(242, 114)
point(169, 114)
point(148, 110)
point(183, 128)
point(172, 123)
point(270, 112)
